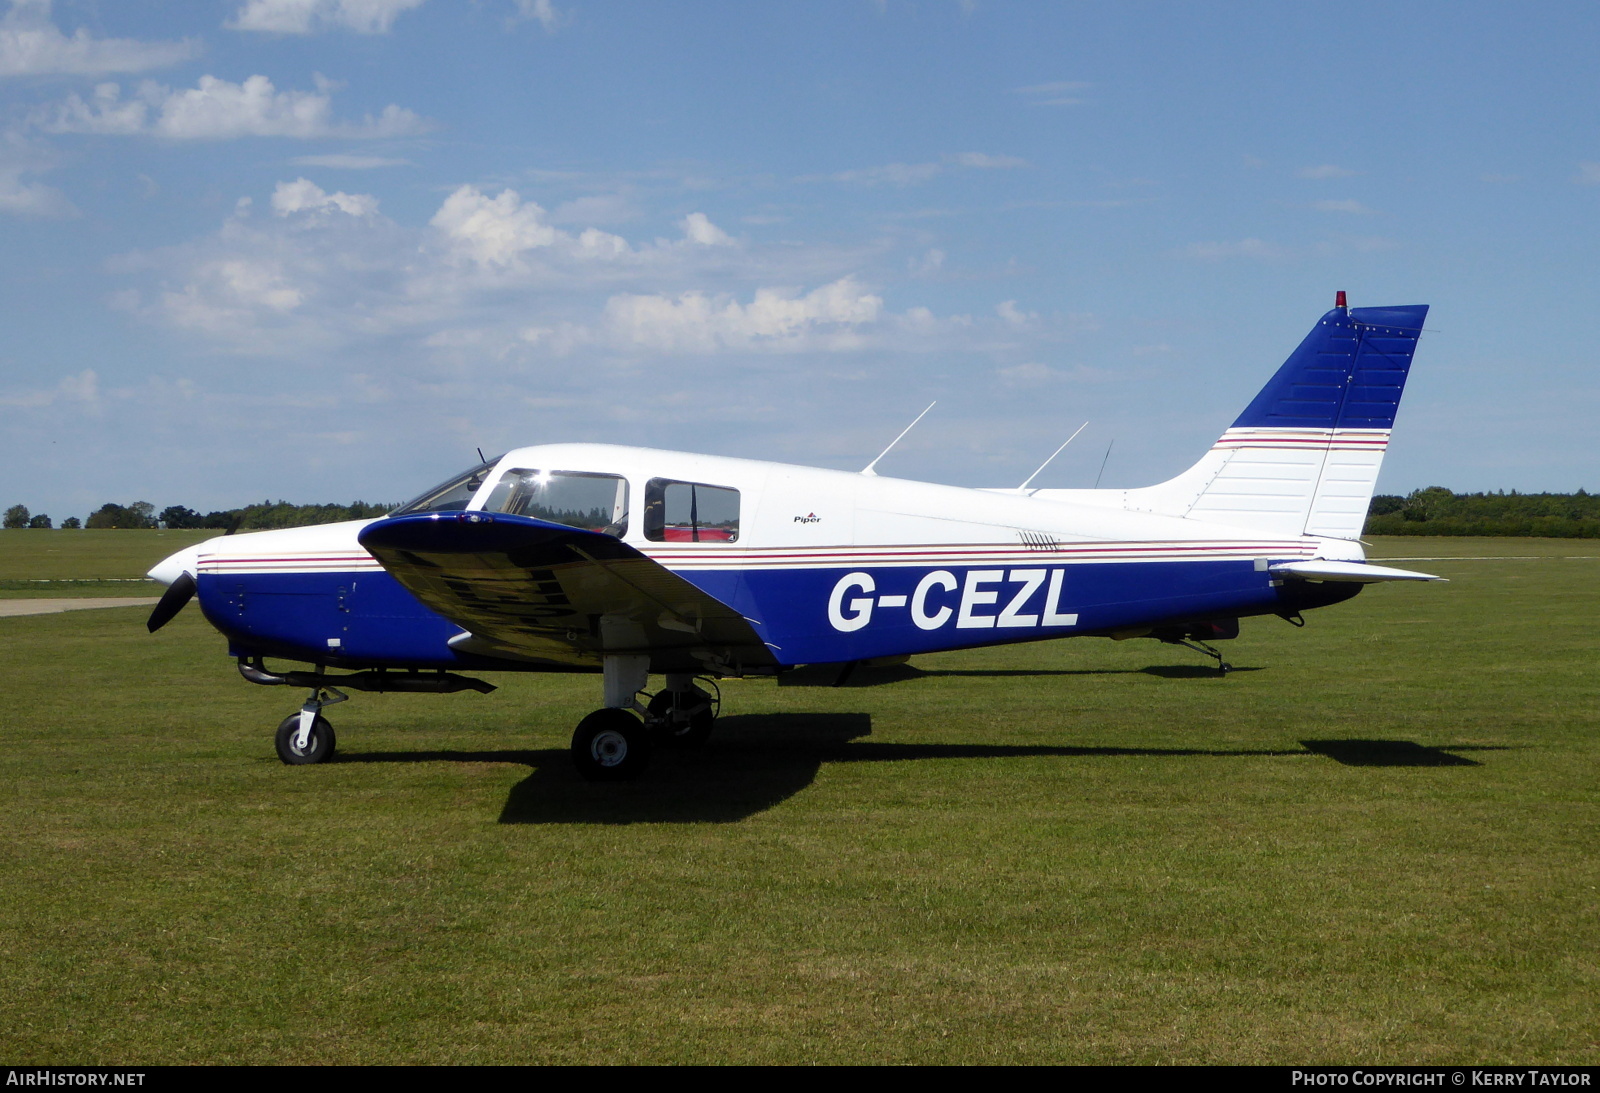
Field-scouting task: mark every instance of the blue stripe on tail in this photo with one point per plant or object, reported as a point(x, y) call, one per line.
point(1349, 372)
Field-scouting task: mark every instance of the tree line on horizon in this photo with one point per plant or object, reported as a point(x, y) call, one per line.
point(1439, 511)
point(264, 516)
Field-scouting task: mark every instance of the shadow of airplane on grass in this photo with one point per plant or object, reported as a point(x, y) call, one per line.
point(756, 761)
point(864, 675)
point(1395, 753)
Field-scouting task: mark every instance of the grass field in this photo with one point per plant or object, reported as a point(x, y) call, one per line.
point(85, 562)
point(1376, 841)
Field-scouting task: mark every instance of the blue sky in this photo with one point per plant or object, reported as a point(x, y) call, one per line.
point(324, 249)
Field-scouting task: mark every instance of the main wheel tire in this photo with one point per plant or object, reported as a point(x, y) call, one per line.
point(317, 749)
point(682, 719)
point(611, 746)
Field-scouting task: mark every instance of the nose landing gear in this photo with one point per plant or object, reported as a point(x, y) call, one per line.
point(307, 737)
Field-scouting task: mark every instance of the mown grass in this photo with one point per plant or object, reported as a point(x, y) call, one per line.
point(1374, 842)
point(40, 562)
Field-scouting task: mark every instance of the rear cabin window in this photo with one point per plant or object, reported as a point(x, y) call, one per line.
point(690, 512)
point(593, 502)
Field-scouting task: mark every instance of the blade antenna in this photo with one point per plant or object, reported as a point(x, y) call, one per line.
point(1053, 454)
point(868, 468)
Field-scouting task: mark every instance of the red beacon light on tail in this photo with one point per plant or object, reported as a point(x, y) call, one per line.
point(1338, 299)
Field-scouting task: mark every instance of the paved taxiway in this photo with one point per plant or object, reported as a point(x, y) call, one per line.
point(48, 607)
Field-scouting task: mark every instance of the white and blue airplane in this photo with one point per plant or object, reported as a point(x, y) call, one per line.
point(632, 562)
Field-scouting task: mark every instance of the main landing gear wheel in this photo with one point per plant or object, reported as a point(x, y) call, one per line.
point(611, 745)
point(683, 719)
point(318, 747)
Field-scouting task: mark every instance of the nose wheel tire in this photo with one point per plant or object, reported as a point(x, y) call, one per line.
point(318, 748)
point(611, 745)
point(682, 719)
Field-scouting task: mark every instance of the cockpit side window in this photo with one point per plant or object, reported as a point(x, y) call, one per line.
point(453, 493)
point(578, 499)
point(690, 512)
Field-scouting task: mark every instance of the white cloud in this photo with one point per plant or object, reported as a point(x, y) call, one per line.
point(1326, 170)
point(983, 161)
point(226, 290)
point(31, 45)
point(83, 387)
point(595, 209)
point(19, 194)
point(323, 270)
point(310, 16)
point(914, 174)
point(489, 283)
point(543, 12)
point(492, 231)
point(594, 243)
point(1008, 311)
point(891, 174)
point(218, 110)
point(347, 162)
point(928, 265)
point(1054, 93)
point(1030, 374)
point(302, 195)
point(774, 319)
point(1348, 205)
point(698, 229)
point(559, 340)
point(22, 198)
point(501, 235)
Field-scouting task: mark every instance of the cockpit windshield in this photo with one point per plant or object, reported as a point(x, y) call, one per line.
point(578, 499)
point(454, 493)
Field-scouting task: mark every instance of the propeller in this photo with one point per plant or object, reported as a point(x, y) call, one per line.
point(178, 593)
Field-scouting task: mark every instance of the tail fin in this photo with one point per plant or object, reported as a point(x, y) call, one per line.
point(1303, 458)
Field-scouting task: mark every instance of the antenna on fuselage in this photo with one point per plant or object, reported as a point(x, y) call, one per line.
point(1053, 454)
point(868, 468)
point(1103, 464)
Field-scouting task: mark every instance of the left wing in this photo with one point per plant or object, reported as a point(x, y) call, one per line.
point(529, 590)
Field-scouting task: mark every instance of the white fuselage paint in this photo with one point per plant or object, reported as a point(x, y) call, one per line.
point(810, 518)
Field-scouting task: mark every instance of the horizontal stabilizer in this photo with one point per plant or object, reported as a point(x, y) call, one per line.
point(1357, 572)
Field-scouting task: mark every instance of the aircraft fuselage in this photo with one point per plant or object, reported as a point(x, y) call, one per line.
point(828, 566)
